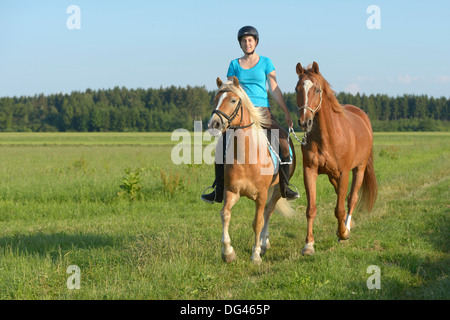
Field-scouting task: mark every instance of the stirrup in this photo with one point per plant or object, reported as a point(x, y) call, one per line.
point(291, 185)
point(215, 195)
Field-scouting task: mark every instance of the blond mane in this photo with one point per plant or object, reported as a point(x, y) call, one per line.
point(259, 118)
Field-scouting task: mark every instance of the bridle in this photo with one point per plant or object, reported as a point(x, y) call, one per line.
point(318, 106)
point(304, 140)
point(233, 115)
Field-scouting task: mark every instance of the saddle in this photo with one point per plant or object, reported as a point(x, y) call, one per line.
point(274, 155)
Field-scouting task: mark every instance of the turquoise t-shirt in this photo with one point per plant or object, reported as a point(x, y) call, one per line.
point(253, 80)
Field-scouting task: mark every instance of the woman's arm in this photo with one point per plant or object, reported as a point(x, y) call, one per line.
point(278, 96)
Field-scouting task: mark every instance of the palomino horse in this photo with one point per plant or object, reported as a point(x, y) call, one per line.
point(339, 139)
point(248, 169)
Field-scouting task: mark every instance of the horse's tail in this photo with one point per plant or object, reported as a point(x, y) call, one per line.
point(369, 189)
point(284, 208)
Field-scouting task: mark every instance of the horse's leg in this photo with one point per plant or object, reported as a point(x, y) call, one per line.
point(228, 254)
point(358, 177)
point(268, 210)
point(342, 186)
point(309, 179)
point(258, 223)
point(333, 181)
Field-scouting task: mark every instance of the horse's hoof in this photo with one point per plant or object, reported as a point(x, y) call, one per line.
point(344, 236)
point(256, 260)
point(264, 249)
point(308, 249)
point(229, 257)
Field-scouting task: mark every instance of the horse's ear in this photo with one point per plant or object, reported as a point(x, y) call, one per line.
point(219, 82)
point(299, 69)
point(315, 67)
point(235, 81)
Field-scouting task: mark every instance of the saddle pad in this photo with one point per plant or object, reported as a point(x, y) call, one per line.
point(275, 159)
point(273, 154)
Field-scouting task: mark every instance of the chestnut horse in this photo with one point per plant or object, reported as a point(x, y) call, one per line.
point(339, 139)
point(248, 169)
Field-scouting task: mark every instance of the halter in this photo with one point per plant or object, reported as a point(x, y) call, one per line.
point(233, 115)
point(318, 107)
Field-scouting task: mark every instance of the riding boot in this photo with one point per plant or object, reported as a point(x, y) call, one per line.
point(217, 194)
point(286, 192)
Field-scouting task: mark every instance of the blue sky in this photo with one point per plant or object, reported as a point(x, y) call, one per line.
point(142, 44)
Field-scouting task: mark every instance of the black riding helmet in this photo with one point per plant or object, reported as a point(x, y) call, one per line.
point(248, 31)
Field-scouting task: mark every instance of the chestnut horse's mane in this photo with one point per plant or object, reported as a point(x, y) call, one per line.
point(328, 93)
point(259, 118)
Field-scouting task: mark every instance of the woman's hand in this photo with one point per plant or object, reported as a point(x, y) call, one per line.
point(289, 121)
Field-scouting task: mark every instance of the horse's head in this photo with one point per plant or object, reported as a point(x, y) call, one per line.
point(309, 95)
point(227, 105)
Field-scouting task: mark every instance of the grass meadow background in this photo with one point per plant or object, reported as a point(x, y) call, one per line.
point(62, 204)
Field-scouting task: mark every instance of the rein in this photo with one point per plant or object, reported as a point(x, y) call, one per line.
point(231, 117)
point(304, 141)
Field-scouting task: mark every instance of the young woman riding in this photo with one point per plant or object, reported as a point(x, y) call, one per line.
point(253, 72)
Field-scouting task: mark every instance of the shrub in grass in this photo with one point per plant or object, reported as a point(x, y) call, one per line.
point(131, 185)
point(171, 182)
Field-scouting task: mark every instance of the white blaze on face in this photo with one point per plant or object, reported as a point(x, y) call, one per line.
point(306, 86)
point(222, 97)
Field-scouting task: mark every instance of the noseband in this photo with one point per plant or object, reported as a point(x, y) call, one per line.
point(231, 117)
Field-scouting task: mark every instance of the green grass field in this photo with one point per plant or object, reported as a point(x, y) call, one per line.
point(59, 206)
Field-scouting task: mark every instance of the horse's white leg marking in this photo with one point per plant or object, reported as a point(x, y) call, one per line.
point(256, 252)
point(265, 236)
point(268, 210)
point(308, 249)
point(226, 240)
point(258, 225)
point(228, 254)
point(348, 221)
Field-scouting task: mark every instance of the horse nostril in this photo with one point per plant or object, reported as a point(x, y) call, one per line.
point(310, 123)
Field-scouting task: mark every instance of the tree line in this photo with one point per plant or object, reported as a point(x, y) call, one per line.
point(167, 109)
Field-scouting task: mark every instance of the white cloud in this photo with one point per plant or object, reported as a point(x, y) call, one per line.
point(442, 79)
point(407, 79)
point(352, 88)
point(365, 78)
point(436, 85)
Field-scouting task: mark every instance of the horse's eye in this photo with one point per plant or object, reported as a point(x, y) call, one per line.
point(233, 100)
point(317, 91)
